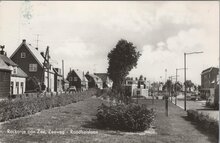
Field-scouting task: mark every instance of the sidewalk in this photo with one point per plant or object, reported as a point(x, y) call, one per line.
point(200, 106)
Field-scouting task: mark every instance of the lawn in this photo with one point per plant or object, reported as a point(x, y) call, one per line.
point(62, 123)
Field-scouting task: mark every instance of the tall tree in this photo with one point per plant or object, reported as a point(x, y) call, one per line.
point(122, 59)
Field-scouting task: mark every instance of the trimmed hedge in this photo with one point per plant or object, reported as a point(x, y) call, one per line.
point(204, 121)
point(132, 117)
point(24, 107)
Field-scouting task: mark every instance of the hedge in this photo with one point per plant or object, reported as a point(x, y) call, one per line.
point(27, 106)
point(131, 117)
point(204, 121)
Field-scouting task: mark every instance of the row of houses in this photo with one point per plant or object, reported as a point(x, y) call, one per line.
point(29, 70)
point(82, 81)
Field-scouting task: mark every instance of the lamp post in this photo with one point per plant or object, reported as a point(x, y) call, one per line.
point(185, 75)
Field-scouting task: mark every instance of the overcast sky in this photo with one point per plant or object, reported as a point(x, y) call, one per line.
point(82, 33)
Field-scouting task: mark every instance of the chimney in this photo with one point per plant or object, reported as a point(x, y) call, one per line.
point(42, 54)
point(36, 48)
point(2, 52)
point(24, 40)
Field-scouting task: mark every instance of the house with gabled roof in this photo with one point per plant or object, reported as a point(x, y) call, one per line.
point(209, 82)
point(78, 79)
point(5, 77)
point(17, 76)
point(32, 62)
point(107, 82)
point(94, 81)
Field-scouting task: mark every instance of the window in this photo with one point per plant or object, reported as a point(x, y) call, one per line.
point(22, 87)
point(75, 78)
point(32, 67)
point(23, 55)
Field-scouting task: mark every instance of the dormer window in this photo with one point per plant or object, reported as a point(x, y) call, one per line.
point(23, 55)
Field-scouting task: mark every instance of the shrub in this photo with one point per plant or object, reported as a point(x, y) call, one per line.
point(204, 121)
point(132, 117)
point(27, 106)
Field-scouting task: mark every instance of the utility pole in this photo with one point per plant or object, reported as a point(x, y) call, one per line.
point(48, 67)
point(63, 73)
point(185, 75)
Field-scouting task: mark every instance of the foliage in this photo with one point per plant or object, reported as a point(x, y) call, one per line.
point(24, 107)
point(168, 85)
point(204, 121)
point(189, 84)
point(121, 59)
point(178, 86)
point(132, 117)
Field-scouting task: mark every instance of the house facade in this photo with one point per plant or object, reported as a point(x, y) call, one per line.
point(58, 79)
point(107, 82)
point(209, 81)
point(5, 75)
point(94, 81)
point(78, 79)
point(18, 76)
point(32, 62)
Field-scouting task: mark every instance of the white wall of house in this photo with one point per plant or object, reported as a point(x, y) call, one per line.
point(51, 81)
point(18, 84)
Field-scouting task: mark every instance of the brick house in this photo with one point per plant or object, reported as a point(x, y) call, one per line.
point(107, 82)
point(94, 81)
point(18, 76)
point(208, 82)
point(78, 79)
point(32, 62)
point(5, 77)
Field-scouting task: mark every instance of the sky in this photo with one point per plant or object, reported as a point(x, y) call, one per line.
point(83, 33)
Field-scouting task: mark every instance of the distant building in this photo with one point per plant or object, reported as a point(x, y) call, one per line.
point(5, 78)
point(94, 81)
point(78, 79)
point(32, 62)
point(18, 76)
point(107, 82)
point(209, 81)
point(136, 87)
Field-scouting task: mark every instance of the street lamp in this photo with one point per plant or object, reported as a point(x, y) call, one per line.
point(185, 75)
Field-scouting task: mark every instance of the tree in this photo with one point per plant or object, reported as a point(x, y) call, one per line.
point(168, 86)
point(188, 84)
point(178, 86)
point(121, 59)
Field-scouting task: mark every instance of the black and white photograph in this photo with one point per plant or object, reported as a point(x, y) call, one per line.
point(109, 71)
